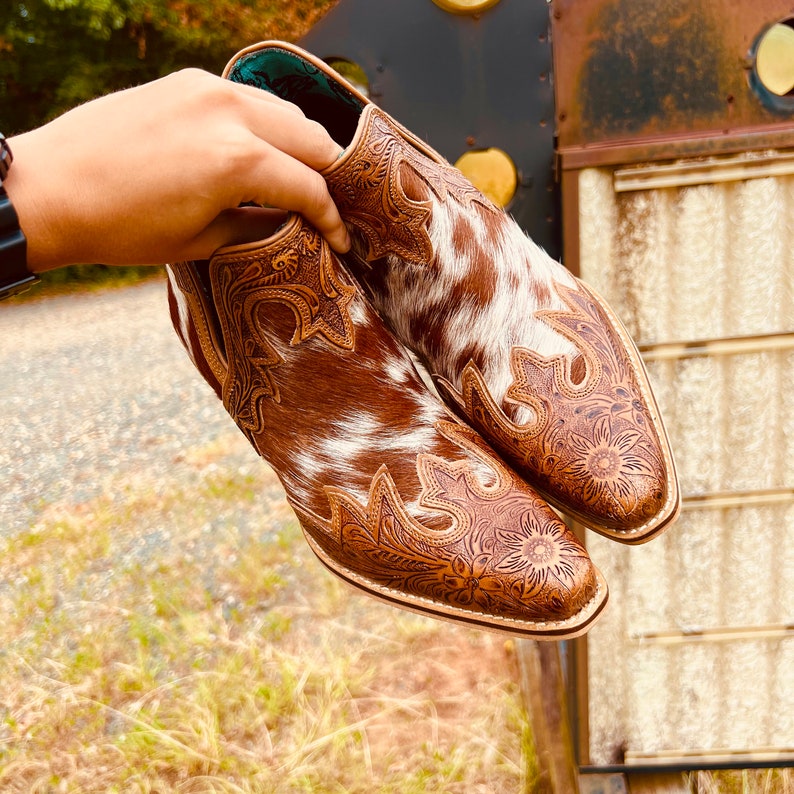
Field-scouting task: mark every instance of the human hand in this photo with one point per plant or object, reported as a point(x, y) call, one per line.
point(157, 174)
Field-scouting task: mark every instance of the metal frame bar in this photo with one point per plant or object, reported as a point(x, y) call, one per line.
point(722, 346)
point(747, 165)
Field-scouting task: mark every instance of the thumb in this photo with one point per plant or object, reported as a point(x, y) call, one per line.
point(234, 227)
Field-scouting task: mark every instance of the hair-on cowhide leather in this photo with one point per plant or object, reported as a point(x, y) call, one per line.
point(393, 493)
point(526, 353)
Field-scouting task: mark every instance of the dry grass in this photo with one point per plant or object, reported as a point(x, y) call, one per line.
point(745, 781)
point(180, 637)
point(184, 639)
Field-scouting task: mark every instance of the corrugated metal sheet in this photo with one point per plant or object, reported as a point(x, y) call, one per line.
point(695, 655)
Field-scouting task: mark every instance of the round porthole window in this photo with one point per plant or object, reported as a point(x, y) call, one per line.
point(465, 6)
point(773, 70)
point(492, 171)
point(775, 59)
point(352, 72)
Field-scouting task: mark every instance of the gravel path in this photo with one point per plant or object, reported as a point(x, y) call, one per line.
point(94, 386)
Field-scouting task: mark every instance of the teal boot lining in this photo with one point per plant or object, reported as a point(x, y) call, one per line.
point(290, 77)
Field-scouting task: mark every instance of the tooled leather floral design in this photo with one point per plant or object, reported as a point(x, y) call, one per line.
point(592, 445)
point(452, 549)
point(297, 271)
point(370, 192)
point(503, 553)
point(542, 554)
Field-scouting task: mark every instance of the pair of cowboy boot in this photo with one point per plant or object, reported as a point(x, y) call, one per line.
point(394, 493)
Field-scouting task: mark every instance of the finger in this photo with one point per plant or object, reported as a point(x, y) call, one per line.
point(292, 133)
point(272, 119)
point(274, 178)
point(235, 227)
point(257, 94)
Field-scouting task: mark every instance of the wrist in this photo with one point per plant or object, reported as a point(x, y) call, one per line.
point(30, 197)
point(15, 276)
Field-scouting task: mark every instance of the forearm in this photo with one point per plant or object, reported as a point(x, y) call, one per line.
point(158, 173)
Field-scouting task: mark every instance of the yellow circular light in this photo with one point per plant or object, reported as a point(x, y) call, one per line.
point(465, 6)
point(775, 59)
point(492, 172)
point(352, 72)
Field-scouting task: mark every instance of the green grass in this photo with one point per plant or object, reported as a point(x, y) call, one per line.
point(82, 278)
point(190, 642)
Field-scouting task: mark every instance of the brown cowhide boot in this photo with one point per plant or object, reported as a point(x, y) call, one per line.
point(527, 354)
point(393, 493)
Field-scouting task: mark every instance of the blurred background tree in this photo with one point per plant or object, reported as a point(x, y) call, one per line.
point(55, 54)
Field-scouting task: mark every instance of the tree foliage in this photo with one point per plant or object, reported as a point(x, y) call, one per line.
point(55, 54)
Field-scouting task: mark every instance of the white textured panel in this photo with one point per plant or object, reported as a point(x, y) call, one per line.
point(730, 419)
point(696, 420)
point(648, 696)
point(783, 694)
point(785, 440)
point(754, 407)
point(694, 263)
point(756, 227)
point(689, 263)
point(701, 266)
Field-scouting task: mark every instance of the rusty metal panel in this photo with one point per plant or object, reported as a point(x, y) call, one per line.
point(642, 79)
